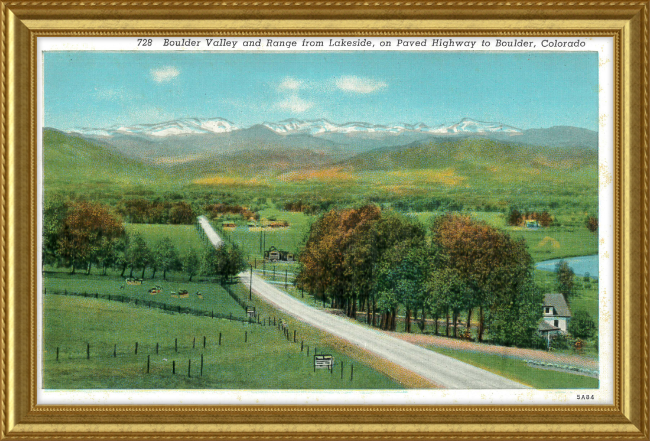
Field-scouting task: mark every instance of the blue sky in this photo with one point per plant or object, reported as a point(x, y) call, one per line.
point(525, 90)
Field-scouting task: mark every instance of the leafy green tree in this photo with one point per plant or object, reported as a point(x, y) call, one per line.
point(224, 262)
point(515, 323)
point(191, 263)
point(446, 293)
point(55, 211)
point(138, 254)
point(514, 217)
point(110, 252)
point(236, 262)
point(582, 325)
point(166, 256)
point(565, 279)
point(402, 272)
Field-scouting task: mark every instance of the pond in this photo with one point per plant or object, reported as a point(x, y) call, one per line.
point(580, 265)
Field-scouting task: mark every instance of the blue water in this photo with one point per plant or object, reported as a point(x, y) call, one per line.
point(580, 265)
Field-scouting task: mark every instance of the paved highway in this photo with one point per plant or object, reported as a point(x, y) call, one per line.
point(440, 369)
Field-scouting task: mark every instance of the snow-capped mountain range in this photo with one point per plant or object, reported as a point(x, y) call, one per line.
point(186, 126)
point(319, 127)
point(177, 140)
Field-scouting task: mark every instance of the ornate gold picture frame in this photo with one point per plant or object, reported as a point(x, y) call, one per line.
point(23, 22)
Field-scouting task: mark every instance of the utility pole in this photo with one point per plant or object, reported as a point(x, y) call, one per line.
point(250, 292)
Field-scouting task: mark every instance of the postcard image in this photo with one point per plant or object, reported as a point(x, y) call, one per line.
point(325, 220)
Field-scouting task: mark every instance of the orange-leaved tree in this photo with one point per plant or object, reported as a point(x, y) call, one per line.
point(87, 233)
point(494, 267)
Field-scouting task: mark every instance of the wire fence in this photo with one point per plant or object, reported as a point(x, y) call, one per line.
point(171, 309)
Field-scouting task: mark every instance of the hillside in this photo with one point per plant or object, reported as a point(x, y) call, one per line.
point(470, 152)
point(70, 159)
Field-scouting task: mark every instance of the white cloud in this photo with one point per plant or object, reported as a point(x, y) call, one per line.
point(359, 85)
point(291, 84)
point(164, 74)
point(295, 104)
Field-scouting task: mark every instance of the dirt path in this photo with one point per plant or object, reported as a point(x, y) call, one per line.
point(518, 353)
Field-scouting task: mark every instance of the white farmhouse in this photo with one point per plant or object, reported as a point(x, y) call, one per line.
point(556, 316)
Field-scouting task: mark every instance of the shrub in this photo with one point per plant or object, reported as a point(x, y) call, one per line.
point(560, 341)
point(582, 325)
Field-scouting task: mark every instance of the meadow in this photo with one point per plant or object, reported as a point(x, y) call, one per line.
point(214, 297)
point(184, 237)
point(250, 356)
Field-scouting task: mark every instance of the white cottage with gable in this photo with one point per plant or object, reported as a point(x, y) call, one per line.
point(556, 315)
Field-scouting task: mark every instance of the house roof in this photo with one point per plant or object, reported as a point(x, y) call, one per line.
point(556, 300)
point(545, 326)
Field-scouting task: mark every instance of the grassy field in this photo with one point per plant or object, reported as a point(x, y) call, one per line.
point(184, 237)
point(254, 241)
point(518, 370)
point(215, 298)
point(250, 356)
point(557, 242)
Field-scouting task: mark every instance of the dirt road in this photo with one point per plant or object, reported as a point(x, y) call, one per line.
point(444, 371)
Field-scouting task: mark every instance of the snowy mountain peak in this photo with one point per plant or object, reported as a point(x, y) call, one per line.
point(185, 126)
point(471, 126)
point(293, 126)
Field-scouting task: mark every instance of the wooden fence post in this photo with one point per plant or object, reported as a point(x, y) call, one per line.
point(189, 368)
point(57, 353)
point(204, 342)
point(194, 343)
point(136, 348)
point(294, 335)
point(307, 350)
point(115, 351)
point(341, 370)
point(148, 363)
point(88, 351)
point(176, 344)
point(351, 372)
point(301, 345)
point(156, 348)
point(173, 367)
point(201, 364)
point(245, 336)
point(220, 339)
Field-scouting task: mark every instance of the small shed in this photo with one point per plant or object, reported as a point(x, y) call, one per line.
point(275, 255)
